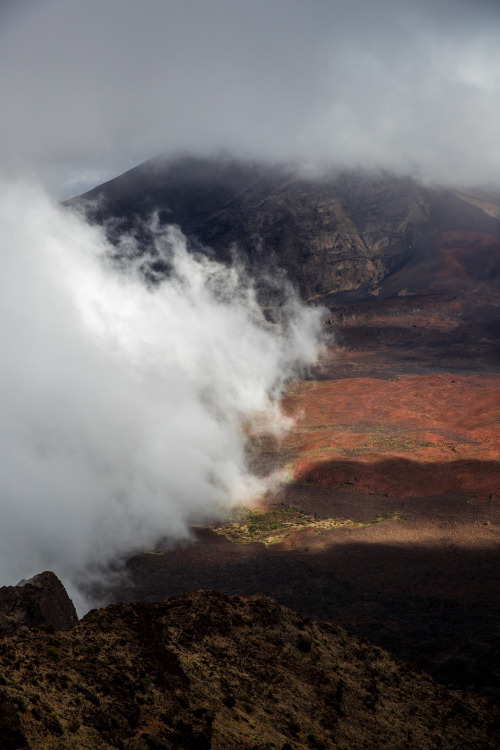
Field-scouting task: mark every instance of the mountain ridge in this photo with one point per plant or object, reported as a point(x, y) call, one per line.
point(335, 232)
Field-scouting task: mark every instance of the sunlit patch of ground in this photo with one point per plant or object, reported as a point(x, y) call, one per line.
point(410, 436)
point(274, 525)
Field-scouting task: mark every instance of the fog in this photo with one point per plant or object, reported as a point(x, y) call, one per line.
point(90, 89)
point(124, 407)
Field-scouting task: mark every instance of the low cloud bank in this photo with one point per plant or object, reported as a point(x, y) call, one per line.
point(93, 88)
point(123, 405)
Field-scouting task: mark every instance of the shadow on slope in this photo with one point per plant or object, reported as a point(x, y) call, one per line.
point(435, 606)
point(403, 477)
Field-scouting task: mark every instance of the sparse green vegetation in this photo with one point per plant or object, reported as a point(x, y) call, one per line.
point(388, 443)
point(274, 525)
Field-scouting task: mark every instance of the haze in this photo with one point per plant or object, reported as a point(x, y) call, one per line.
point(90, 89)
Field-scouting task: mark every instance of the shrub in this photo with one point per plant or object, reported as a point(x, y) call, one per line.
point(53, 653)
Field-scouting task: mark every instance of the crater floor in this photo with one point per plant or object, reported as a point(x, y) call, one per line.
point(390, 522)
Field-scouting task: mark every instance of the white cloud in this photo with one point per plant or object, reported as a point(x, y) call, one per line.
point(122, 407)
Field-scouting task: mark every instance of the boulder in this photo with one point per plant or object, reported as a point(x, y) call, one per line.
point(41, 601)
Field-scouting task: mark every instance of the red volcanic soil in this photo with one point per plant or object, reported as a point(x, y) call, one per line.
point(397, 434)
point(412, 435)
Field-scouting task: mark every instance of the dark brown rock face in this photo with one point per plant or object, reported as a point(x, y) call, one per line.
point(206, 671)
point(339, 232)
point(41, 601)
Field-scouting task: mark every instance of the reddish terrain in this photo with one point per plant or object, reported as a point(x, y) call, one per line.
point(411, 435)
point(396, 436)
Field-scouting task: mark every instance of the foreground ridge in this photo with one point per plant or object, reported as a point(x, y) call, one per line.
point(205, 670)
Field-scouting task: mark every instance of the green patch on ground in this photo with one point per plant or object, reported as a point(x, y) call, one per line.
point(360, 427)
point(274, 525)
point(387, 444)
point(357, 427)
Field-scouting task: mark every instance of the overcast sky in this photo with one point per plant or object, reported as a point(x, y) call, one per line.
point(90, 88)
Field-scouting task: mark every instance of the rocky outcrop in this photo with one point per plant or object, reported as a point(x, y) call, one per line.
point(205, 670)
point(40, 602)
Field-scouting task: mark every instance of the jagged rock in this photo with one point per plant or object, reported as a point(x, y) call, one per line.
point(40, 601)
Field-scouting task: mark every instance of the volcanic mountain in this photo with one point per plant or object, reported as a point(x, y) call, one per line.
point(331, 232)
point(390, 522)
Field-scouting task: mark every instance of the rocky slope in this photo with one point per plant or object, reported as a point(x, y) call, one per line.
point(330, 233)
point(204, 670)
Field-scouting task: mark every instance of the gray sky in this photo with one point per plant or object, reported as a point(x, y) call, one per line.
point(90, 88)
